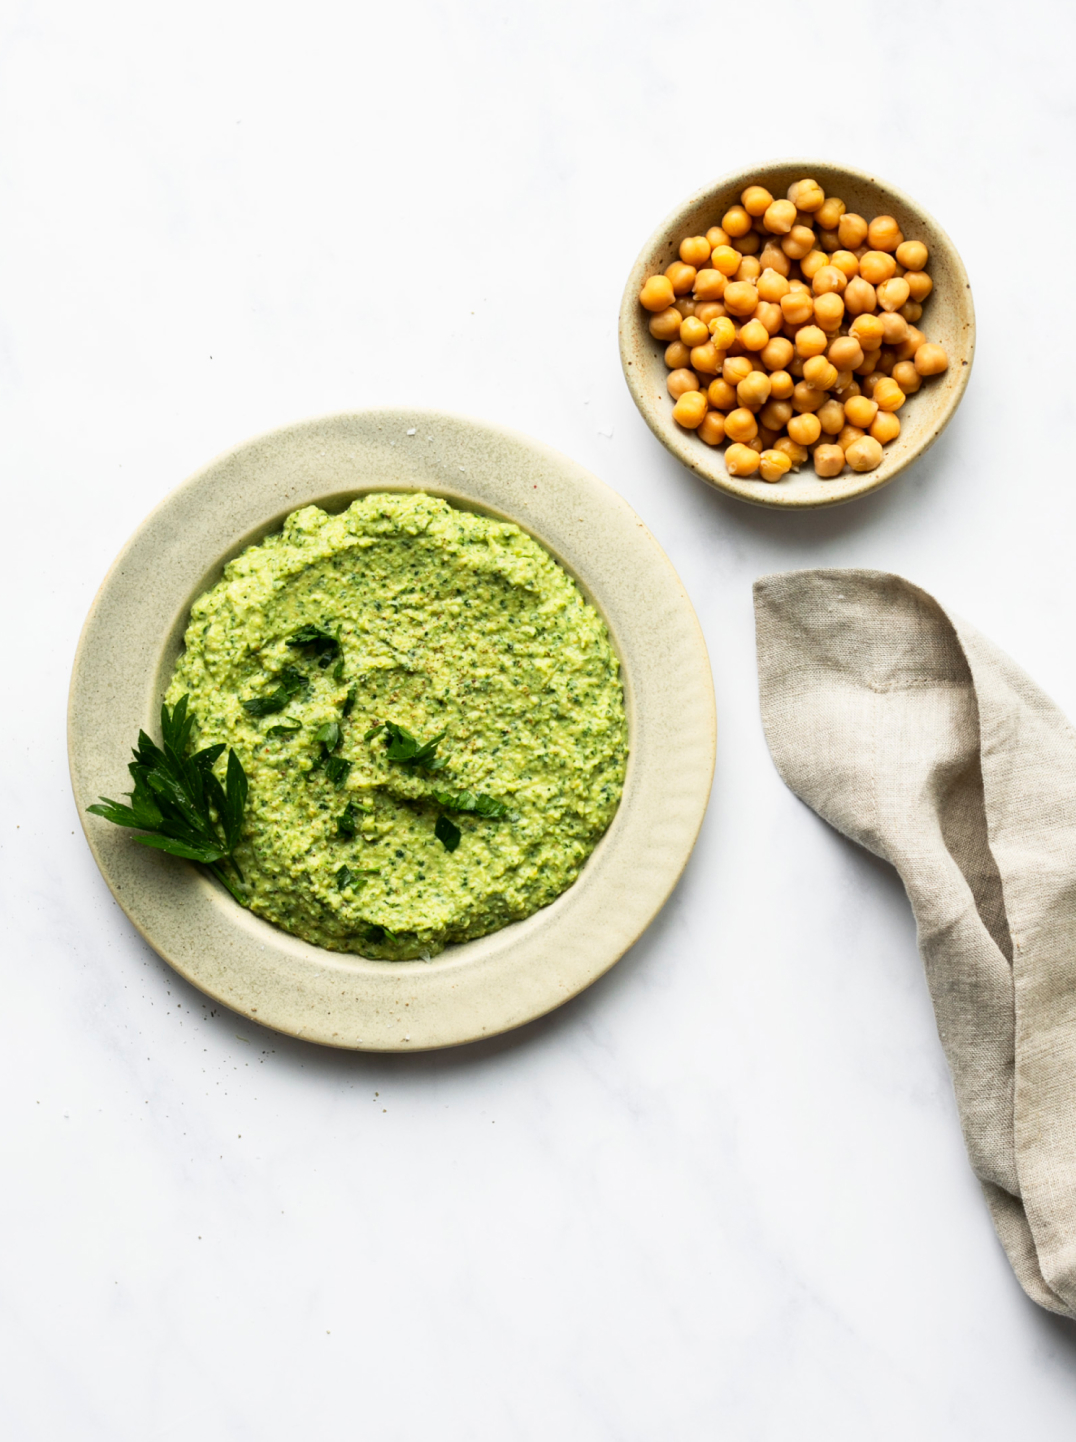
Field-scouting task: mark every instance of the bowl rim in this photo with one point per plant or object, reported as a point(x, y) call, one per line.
point(479, 988)
point(682, 444)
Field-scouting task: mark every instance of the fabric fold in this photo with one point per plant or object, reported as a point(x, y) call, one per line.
point(919, 739)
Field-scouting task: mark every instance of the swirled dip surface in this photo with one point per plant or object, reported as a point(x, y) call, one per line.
point(442, 620)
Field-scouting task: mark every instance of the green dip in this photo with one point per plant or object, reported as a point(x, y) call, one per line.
point(435, 620)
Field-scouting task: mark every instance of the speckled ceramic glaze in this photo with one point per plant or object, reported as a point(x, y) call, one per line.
point(948, 318)
point(134, 633)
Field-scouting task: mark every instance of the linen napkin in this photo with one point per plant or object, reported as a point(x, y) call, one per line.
point(921, 740)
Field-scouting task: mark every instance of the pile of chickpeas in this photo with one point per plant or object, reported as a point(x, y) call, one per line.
point(790, 332)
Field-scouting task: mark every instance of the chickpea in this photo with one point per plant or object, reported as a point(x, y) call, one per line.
point(709, 310)
point(828, 215)
point(693, 332)
point(931, 360)
point(912, 254)
point(887, 359)
point(666, 324)
point(657, 293)
point(712, 430)
point(866, 368)
point(715, 236)
point(870, 380)
point(845, 262)
point(796, 453)
point(755, 199)
point(852, 230)
point(888, 394)
point(885, 427)
point(735, 222)
point(876, 266)
point(740, 297)
point(754, 390)
point(771, 316)
point(829, 241)
point(908, 347)
point(706, 359)
point(828, 462)
point(754, 335)
point(807, 195)
point(868, 330)
point(685, 304)
point(749, 269)
point(845, 353)
point(829, 311)
point(808, 398)
point(912, 311)
point(695, 250)
point(740, 460)
point(772, 285)
point(677, 355)
point(797, 307)
point(849, 436)
point(805, 429)
point(722, 331)
point(818, 372)
point(860, 297)
point(736, 369)
point(709, 285)
point(864, 454)
point(846, 392)
point(831, 417)
point(773, 465)
point(721, 395)
point(740, 424)
point(781, 385)
point(907, 377)
point(746, 244)
point(812, 263)
point(780, 217)
point(798, 242)
point(772, 257)
point(919, 285)
point(795, 366)
point(884, 233)
point(775, 415)
point(681, 276)
point(859, 411)
point(680, 381)
point(756, 443)
point(726, 260)
point(893, 293)
point(690, 410)
point(894, 327)
point(827, 279)
point(810, 340)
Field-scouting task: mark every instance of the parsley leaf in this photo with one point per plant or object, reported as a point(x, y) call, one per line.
point(477, 802)
point(403, 746)
point(447, 833)
point(329, 736)
point(284, 731)
point(318, 642)
point(349, 700)
point(290, 683)
point(347, 823)
point(337, 770)
point(175, 797)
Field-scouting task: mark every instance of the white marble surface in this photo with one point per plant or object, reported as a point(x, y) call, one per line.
point(723, 1194)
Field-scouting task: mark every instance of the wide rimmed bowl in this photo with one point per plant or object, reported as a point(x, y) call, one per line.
point(948, 318)
point(134, 634)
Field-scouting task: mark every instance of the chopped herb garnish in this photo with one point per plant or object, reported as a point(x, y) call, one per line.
point(329, 736)
point(349, 700)
point(338, 670)
point(290, 683)
point(284, 731)
point(447, 833)
point(337, 770)
point(379, 934)
point(477, 802)
point(404, 747)
point(347, 823)
point(318, 642)
point(175, 795)
point(344, 877)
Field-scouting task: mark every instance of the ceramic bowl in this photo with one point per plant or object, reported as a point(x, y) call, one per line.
point(948, 318)
point(133, 636)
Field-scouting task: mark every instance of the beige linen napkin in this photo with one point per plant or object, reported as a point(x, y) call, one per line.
point(915, 736)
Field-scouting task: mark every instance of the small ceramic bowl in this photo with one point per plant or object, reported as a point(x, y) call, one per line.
point(948, 318)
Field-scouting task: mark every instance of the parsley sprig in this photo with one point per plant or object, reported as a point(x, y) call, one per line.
point(175, 797)
point(475, 801)
point(289, 683)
